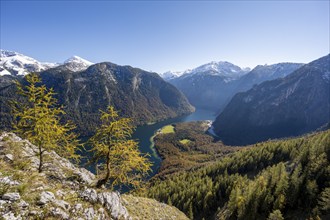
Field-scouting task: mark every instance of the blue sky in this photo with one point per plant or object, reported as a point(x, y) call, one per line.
point(161, 36)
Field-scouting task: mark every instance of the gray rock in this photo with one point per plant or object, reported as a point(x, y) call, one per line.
point(85, 176)
point(40, 188)
point(23, 204)
point(60, 193)
point(63, 204)
point(2, 203)
point(59, 213)
point(11, 216)
point(111, 201)
point(89, 195)
point(11, 196)
point(8, 181)
point(46, 197)
point(8, 157)
point(89, 213)
point(78, 206)
point(100, 198)
point(33, 212)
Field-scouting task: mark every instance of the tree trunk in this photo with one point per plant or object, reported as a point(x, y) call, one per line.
point(103, 181)
point(40, 160)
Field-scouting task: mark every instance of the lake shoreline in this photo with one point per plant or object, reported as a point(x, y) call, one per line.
point(145, 134)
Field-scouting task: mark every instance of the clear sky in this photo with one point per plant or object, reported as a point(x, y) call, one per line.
point(167, 35)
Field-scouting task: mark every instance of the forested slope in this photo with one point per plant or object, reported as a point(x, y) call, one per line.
point(289, 178)
point(135, 93)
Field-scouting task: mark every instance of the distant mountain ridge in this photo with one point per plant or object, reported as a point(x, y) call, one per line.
point(83, 91)
point(211, 86)
point(289, 106)
point(266, 72)
point(220, 68)
point(76, 63)
point(13, 63)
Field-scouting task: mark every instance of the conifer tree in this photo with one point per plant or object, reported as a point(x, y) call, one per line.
point(275, 215)
point(38, 120)
point(121, 160)
point(324, 200)
point(190, 212)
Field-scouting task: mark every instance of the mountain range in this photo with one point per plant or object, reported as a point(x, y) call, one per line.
point(289, 106)
point(84, 89)
point(269, 101)
point(13, 63)
point(220, 68)
point(212, 85)
point(205, 178)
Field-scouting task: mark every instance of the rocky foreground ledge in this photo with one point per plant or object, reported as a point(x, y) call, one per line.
point(62, 191)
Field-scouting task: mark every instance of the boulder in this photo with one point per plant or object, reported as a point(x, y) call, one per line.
point(2, 203)
point(8, 181)
point(23, 204)
point(46, 197)
point(77, 207)
point(11, 196)
point(60, 193)
point(8, 158)
point(85, 176)
point(89, 213)
point(89, 195)
point(111, 201)
point(61, 203)
point(11, 216)
point(59, 213)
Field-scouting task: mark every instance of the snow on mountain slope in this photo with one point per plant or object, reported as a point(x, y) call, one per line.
point(4, 72)
point(221, 68)
point(76, 63)
point(19, 64)
point(13, 63)
point(171, 74)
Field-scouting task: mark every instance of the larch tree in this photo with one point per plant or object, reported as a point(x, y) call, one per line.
point(38, 120)
point(275, 215)
point(119, 156)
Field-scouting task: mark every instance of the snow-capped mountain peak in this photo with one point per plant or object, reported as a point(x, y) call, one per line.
point(218, 68)
point(13, 63)
point(76, 63)
point(7, 53)
point(77, 59)
point(171, 74)
point(18, 64)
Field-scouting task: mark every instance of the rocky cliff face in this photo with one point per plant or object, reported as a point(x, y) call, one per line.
point(138, 94)
point(290, 106)
point(62, 191)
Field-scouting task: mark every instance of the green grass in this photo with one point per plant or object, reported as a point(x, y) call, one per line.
point(167, 129)
point(134, 206)
point(184, 141)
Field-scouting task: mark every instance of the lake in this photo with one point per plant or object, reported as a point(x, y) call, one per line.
point(144, 134)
